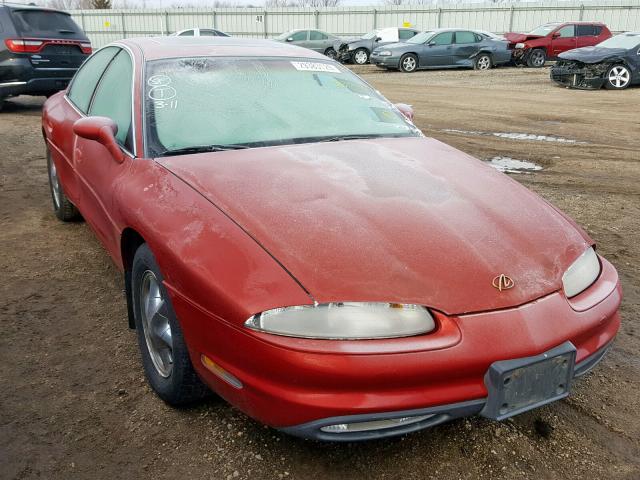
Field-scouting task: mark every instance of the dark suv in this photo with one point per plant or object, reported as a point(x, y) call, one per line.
point(40, 50)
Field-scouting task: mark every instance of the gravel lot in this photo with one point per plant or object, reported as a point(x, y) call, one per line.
point(74, 403)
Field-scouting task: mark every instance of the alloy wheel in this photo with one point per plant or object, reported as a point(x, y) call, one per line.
point(537, 58)
point(408, 64)
point(619, 76)
point(484, 63)
point(155, 323)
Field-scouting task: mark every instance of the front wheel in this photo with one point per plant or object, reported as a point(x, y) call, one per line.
point(165, 357)
point(408, 63)
point(483, 62)
point(361, 56)
point(537, 58)
point(618, 78)
point(331, 53)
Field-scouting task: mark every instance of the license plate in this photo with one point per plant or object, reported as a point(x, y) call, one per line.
point(515, 386)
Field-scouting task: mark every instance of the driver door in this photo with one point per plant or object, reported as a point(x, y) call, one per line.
point(95, 166)
point(438, 51)
point(563, 39)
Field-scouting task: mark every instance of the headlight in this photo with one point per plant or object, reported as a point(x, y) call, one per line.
point(581, 274)
point(384, 53)
point(344, 321)
point(519, 46)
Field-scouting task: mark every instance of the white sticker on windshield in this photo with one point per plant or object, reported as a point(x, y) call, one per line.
point(315, 67)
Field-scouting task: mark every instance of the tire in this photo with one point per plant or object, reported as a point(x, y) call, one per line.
point(618, 77)
point(165, 357)
point(483, 62)
point(62, 206)
point(361, 56)
point(537, 58)
point(408, 63)
point(331, 53)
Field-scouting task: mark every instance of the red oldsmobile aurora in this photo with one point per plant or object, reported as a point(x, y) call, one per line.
point(290, 240)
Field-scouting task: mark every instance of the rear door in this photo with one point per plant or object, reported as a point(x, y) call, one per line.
point(587, 35)
point(465, 46)
point(318, 41)
point(563, 39)
point(55, 43)
point(438, 51)
point(300, 38)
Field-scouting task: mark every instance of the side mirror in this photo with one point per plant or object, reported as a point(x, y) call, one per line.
point(431, 44)
point(102, 130)
point(378, 39)
point(406, 110)
point(290, 39)
point(555, 35)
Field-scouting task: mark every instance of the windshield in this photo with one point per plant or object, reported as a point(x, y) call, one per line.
point(544, 30)
point(370, 35)
point(43, 23)
point(421, 37)
point(195, 102)
point(621, 41)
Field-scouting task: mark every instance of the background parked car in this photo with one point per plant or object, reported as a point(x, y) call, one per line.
point(443, 48)
point(41, 49)
point(359, 49)
point(200, 32)
point(615, 63)
point(316, 40)
point(548, 41)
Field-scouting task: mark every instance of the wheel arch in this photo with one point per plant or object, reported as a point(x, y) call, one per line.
point(130, 241)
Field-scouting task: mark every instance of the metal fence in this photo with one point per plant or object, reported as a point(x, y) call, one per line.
point(104, 26)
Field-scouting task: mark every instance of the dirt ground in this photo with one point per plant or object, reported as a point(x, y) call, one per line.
point(73, 401)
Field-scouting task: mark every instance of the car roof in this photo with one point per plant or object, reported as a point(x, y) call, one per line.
point(18, 6)
point(154, 48)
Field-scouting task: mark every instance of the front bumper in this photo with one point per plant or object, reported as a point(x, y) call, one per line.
point(300, 385)
point(435, 415)
point(586, 78)
point(384, 61)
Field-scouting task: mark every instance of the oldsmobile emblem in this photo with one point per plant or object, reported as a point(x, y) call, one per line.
point(502, 282)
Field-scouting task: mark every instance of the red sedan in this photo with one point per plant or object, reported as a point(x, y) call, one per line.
point(290, 240)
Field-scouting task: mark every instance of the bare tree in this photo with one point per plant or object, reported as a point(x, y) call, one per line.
point(318, 3)
point(69, 4)
point(101, 4)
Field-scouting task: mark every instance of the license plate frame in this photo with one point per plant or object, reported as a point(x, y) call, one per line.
point(522, 384)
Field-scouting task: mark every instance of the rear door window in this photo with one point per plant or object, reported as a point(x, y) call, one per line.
point(316, 35)
point(113, 96)
point(45, 23)
point(466, 37)
point(186, 33)
point(586, 30)
point(406, 34)
point(85, 81)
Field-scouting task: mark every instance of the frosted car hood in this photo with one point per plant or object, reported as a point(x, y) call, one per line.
point(408, 220)
point(592, 54)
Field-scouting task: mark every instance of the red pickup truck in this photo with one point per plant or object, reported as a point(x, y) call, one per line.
point(548, 41)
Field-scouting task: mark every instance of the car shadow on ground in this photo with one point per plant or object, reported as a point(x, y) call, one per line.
point(22, 104)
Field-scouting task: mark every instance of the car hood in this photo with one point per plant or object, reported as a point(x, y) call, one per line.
point(407, 220)
point(393, 46)
point(592, 54)
point(520, 37)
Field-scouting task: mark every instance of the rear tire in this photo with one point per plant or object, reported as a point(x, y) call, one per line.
point(408, 63)
point(537, 58)
point(361, 56)
point(165, 357)
point(618, 77)
point(62, 206)
point(483, 62)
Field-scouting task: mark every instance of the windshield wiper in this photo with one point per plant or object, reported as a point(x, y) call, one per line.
point(339, 138)
point(201, 149)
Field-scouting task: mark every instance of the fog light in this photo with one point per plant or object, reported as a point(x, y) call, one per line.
point(220, 372)
point(374, 424)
